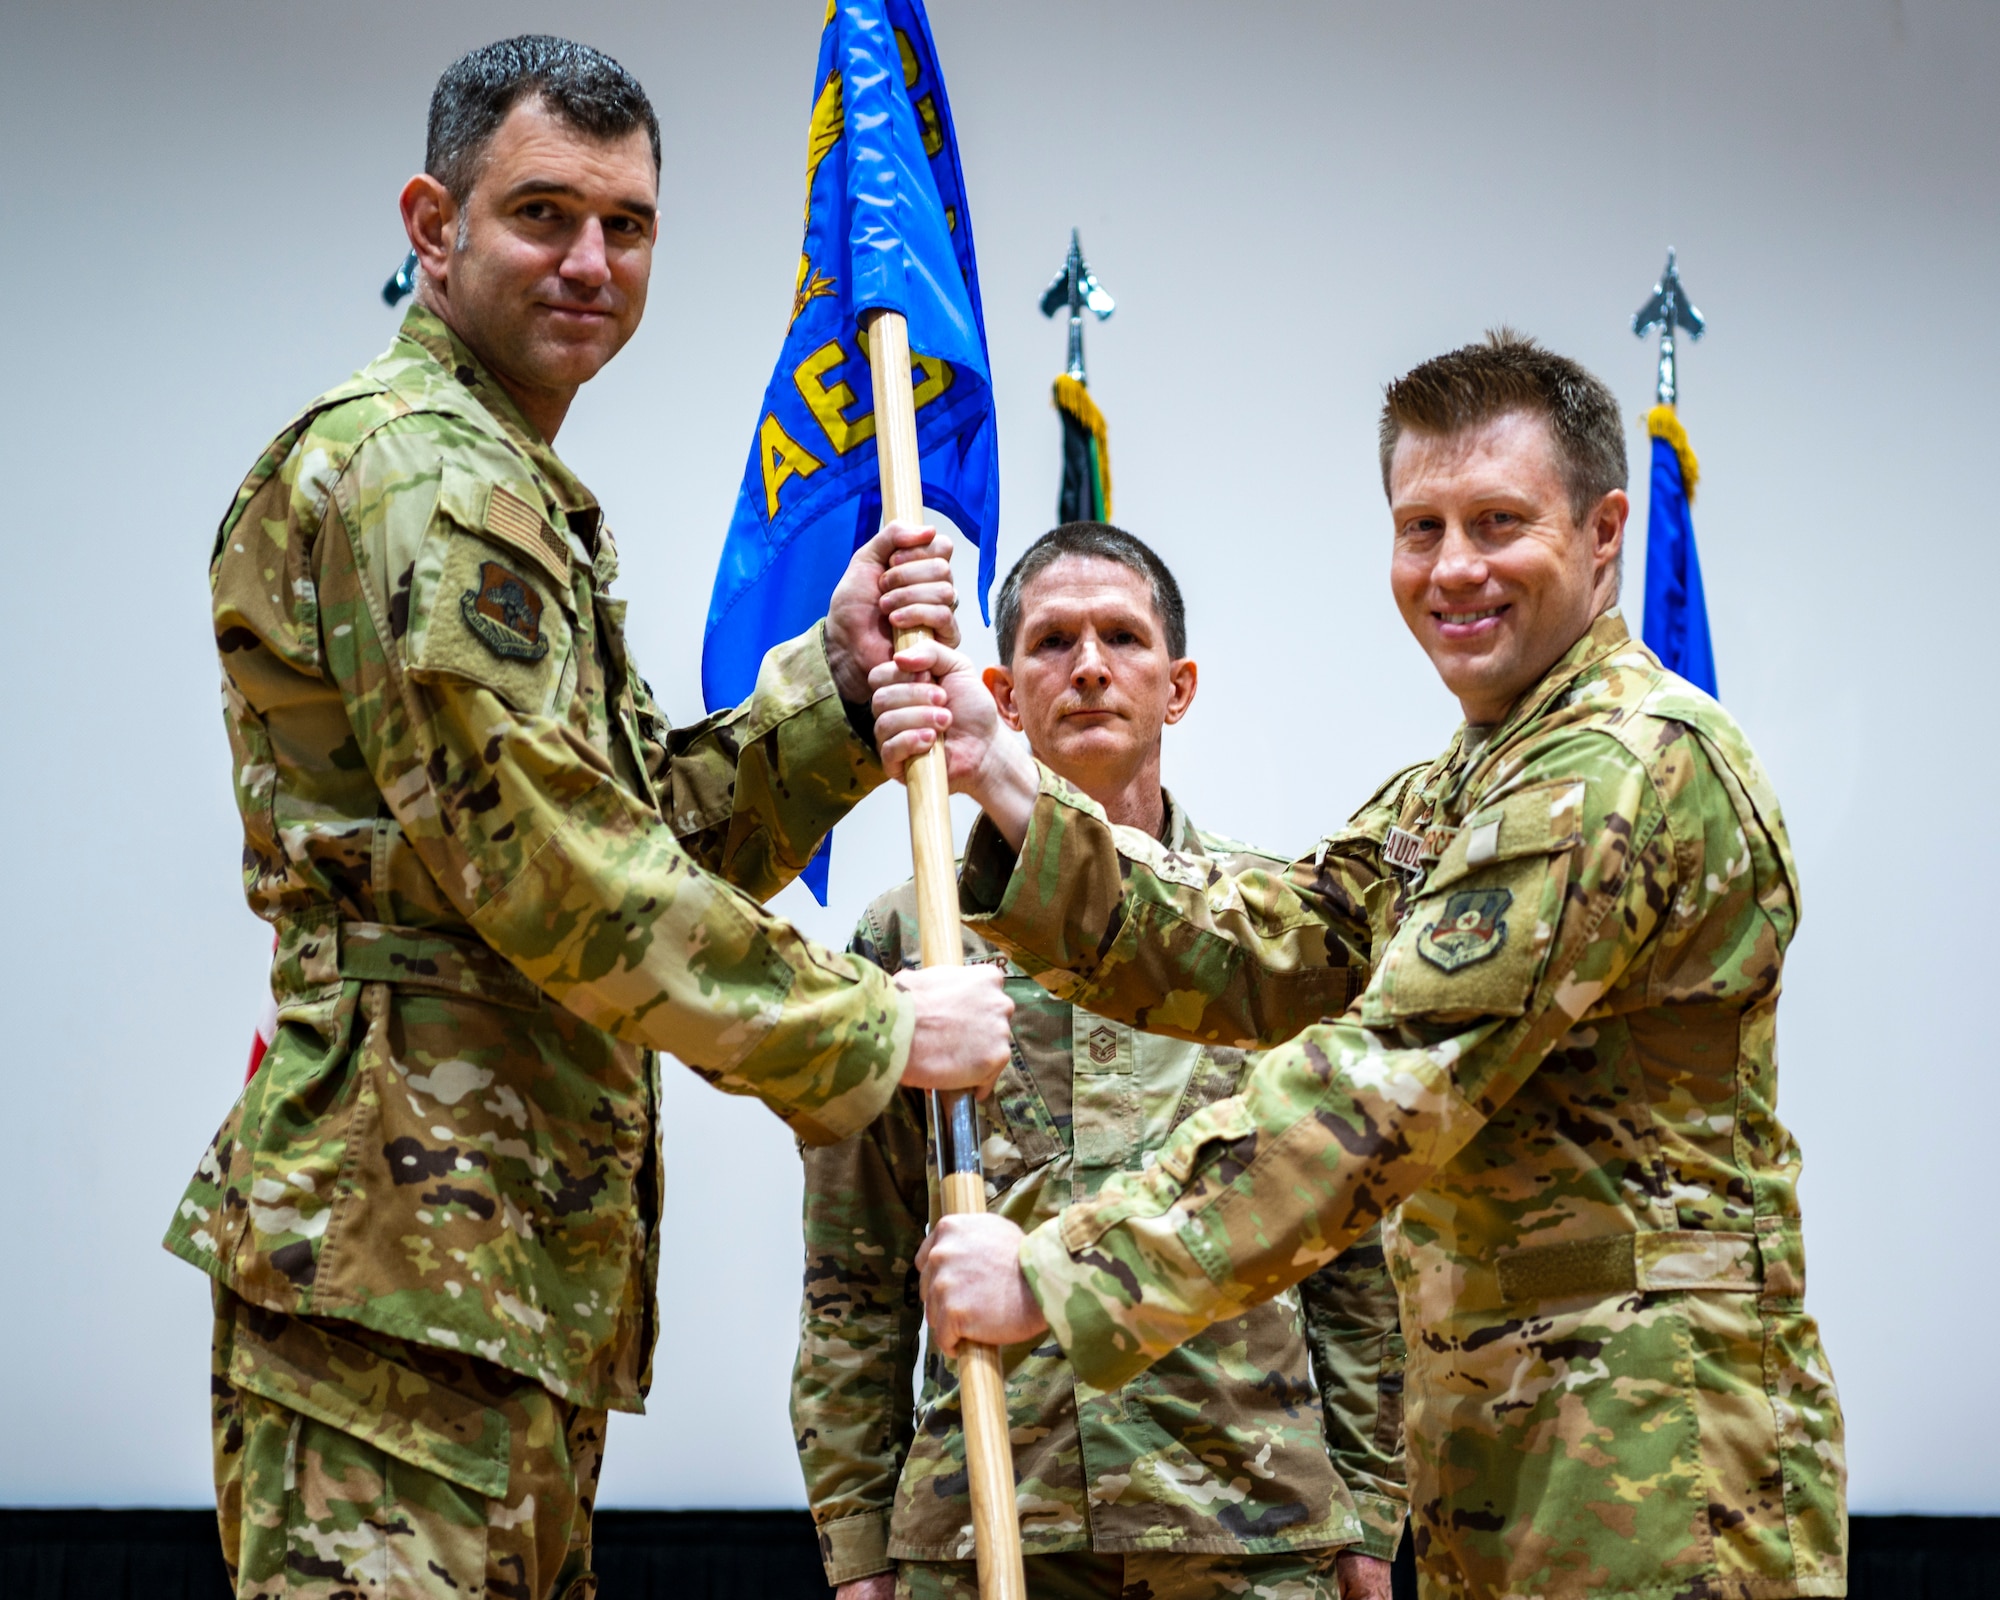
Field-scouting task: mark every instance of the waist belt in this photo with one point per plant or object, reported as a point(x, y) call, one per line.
point(317, 949)
point(1769, 1263)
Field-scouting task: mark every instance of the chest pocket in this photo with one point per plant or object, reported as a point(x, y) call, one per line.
point(1021, 1124)
point(501, 612)
point(1474, 940)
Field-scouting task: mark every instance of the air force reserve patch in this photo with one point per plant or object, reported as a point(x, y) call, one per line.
point(1471, 928)
point(506, 614)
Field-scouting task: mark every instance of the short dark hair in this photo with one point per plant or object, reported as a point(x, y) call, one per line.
point(1107, 543)
point(1510, 372)
point(584, 87)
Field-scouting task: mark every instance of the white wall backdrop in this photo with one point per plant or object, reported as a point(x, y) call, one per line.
point(1293, 202)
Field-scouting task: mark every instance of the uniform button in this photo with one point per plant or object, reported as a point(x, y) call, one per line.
point(464, 376)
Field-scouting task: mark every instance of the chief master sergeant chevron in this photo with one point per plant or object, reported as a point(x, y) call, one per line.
point(1563, 1066)
point(500, 882)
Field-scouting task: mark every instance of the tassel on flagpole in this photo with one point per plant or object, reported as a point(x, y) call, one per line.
point(1073, 400)
point(1663, 422)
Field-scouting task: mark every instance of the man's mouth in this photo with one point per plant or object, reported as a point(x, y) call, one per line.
point(1468, 623)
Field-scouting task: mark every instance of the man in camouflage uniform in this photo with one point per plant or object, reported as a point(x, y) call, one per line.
point(500, 883)
point(1260, 1456)
point(1563, 1067)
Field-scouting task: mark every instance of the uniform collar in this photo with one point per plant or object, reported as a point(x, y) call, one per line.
point(428, 340)
point(1601, 640)
point(1179, 833)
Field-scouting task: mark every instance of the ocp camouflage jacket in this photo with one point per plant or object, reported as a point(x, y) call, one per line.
point(1276, 1430)
point(1564, 1067)
point(500, 882)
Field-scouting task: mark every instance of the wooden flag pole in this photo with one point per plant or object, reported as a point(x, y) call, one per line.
point(989, 1454)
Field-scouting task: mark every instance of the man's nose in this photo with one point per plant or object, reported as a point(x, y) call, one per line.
point(586, 262)
point(1460, 562)
point(1090, 671)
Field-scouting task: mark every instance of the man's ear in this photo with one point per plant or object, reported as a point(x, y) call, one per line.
point(1184, 674)
point(1607, 531)
point(1000, 684)
point(430, 218)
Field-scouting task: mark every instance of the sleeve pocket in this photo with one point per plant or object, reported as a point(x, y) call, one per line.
point(1475, 941)
point(499, 614)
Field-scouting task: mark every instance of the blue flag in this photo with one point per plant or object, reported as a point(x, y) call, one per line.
point(1676, 624)
point(886, 226)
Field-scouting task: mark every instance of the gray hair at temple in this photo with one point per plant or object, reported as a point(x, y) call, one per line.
point(1106, 543)
point(582, 86)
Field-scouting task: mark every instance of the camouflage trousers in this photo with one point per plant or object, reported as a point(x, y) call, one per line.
point(1139, 1575)
point(353, 1466)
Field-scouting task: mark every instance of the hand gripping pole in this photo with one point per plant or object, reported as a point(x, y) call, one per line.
point(996, 1529)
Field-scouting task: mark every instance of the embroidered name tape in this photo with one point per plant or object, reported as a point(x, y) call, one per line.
point(1403, 850)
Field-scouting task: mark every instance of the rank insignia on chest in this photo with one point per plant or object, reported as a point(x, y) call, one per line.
point(1471, 927)
point(1103, 1046)
point(506, 614)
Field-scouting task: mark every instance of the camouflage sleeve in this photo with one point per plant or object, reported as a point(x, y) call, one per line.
point(1357, 1355)
point(866, 1205)
point(1569, 875)
point(561, 868)
point(1112, 920)
point(751, 791)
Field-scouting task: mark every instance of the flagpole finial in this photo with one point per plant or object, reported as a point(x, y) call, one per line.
point(1076, 287)
point(402, 281)
point(1668, 309)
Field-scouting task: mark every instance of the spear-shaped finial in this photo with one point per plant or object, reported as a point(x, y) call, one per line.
point(1078, 289)
point(1669, 308)
point(402, 281)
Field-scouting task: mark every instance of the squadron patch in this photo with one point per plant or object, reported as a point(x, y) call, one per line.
point(1472, 928)
point(506, 614)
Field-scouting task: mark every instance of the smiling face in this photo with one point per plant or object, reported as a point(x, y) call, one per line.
point(1492, 570)
point(1092, 683)
point(543, 271)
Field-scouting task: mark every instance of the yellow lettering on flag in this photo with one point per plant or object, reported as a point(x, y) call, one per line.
point(936, 375)
point(829, 405)
point(782, 458)
point(936, 378)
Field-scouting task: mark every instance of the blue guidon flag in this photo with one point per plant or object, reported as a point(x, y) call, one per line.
point(1676, 618)
point(886, 227)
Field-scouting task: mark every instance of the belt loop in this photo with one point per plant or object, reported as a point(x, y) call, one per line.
point(305, 963)
point(1781, 1246)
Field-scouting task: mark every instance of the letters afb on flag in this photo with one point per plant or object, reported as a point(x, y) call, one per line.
point(886, 227)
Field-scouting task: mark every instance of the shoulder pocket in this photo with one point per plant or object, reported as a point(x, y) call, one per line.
point(1474, 942)
point(502, 610)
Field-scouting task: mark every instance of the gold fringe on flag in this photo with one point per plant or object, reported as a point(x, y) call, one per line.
point(1662, 423)
point(1074, 399)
